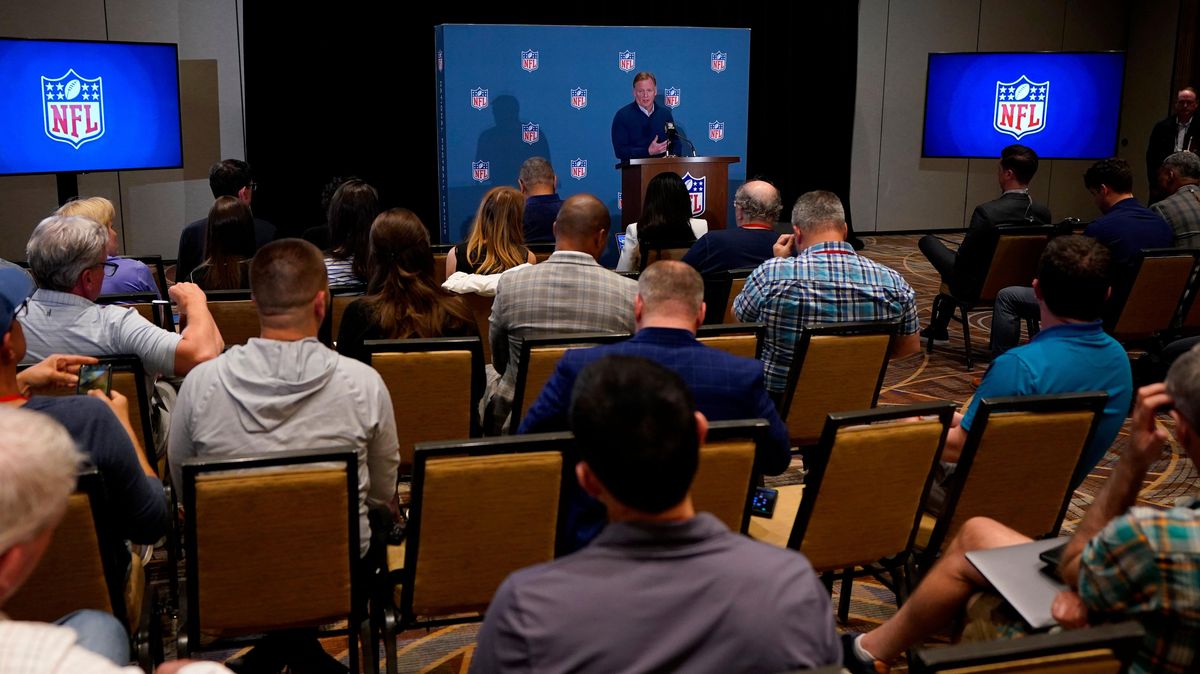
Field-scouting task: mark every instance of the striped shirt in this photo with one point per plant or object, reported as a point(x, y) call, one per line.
point(825, 283)
point(341, 272)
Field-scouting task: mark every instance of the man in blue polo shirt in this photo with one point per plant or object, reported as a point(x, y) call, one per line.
point(639, 129)
point(540, 187)
point(756, 208)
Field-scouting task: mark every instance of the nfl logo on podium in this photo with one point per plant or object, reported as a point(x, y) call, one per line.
point(626, 60)
point(529, 60)
point(579, 98)
point(479, 98)
point(481, 171)
point(530, 133)
point(73, 111)
point(695, 188)
point(717, 61)
point(1021, 106)
point(579, 169)
point(671, 97)
point(716, 131)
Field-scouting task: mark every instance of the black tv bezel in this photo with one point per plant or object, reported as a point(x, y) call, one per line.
point(1121, 96)
point(178, 107)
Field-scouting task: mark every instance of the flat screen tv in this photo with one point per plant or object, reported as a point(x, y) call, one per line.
point(73, 107)
point(1064, 105)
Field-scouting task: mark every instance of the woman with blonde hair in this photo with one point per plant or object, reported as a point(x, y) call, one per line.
point(497, 239)
point(121, 275)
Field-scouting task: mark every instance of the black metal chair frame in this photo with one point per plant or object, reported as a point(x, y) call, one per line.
point(427, 345)
point(732, 329)
point(582, 339)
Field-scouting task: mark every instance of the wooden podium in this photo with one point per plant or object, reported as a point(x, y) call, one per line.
point(636, 174)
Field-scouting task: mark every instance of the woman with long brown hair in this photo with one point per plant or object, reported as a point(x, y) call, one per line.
point(228, 247)
point(403, 299)
point(497, 239)
point(352, 209)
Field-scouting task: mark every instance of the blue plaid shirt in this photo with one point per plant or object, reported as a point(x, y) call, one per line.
point(825, 283)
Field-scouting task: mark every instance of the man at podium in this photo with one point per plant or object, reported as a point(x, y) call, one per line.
point(640, 129)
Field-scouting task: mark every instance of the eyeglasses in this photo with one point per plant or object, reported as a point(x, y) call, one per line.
point(110, 268)
point(22, 310)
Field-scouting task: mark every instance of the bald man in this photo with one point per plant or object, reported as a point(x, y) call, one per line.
point(756, 208)
point(569, 292)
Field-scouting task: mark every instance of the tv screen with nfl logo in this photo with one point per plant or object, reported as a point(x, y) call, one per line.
point(1064, 105)
point(74, 106)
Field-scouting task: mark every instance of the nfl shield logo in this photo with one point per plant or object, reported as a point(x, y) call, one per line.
point(579, 98)
point(579, 169)
point(620, 202)
point(716, 131)
point(481, 171)
point(626, 60)
point(1021, 106)
point(530, 133)
point(717, 61)
point(671, 97)
point(529, 60)
point(695, 188)
point(73, 108)
point(479, 98)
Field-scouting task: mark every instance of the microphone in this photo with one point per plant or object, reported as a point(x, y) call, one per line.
point(672, 135)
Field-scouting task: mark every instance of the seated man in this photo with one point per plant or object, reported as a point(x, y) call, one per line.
point(1124, 561)
point(662, 588)
point(1179, 178)
point(826, 282)
point(669, 308)
point(540, 187)
point(287, 391)
point(756, 208)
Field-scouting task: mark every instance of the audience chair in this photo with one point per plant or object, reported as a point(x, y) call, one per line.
point(1189, 310)
point(340, 298)
point(719, 290)
point(435, 385)
point(739, 339)
point(1146, 305)
point(668, 251)
point(1103, 649)
point(1016, 466)
point(1014, 263)
point(480, 510)
point(539, 356)
point(632, 275)
point(272, 543)
point(155, 263)
point(725, 479)
point(235, 315)
point(440, 251)
point(481, 310)
point(541, 251)
point(835, 368)
point(145, 304)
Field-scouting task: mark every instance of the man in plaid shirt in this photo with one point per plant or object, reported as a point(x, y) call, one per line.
point(1179, 176)
point(826, 282)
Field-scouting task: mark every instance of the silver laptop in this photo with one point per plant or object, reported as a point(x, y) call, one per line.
point(1016, 573)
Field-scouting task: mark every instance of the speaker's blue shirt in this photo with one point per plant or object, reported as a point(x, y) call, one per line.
point(633, 129)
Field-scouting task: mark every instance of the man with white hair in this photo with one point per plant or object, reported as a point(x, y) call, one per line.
point(1179, 176)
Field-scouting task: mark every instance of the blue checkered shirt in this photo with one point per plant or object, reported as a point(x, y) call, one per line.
point(825, 283)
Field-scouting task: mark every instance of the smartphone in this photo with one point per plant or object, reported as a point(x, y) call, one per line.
point(94, 377)
point(763, 504)
point(620, 242)
point(1053, 556)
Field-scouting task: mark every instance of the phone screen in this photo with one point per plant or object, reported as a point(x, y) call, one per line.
point(620, 242)
point(764, 502)
point(94, 377)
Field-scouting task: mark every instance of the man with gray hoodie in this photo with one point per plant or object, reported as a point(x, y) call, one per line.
point(287, 391)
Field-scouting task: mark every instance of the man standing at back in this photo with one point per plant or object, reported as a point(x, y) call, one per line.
point(1176, 133)
point(540, 187)
point(227, 178)
point(756, 208)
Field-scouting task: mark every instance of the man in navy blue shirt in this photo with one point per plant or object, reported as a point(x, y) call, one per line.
point(756, 207)
point(639, 129)
point(540, 187)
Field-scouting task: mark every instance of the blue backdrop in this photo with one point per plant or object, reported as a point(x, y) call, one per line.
point(1063, 105)
point(88, 106)
point(507, 93)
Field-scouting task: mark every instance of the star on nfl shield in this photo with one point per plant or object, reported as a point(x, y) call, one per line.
point(530, 132)
point(529, 60)
point(716, 131)
point(579, 169)
point(73, 108)
point(671, 96)
point(717, 61)
point(479, 98)
point(481, 171)
point(1021, 106)
point(695, 188)
point(626, 61)
point(579, 98)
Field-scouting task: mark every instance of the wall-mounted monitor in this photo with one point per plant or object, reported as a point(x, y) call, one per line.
point(1064, 105)
point(73, 107)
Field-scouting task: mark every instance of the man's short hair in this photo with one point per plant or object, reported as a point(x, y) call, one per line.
point(1113, 172)
point(669, 281)
point(1183, 383)
point(286, 275)
point(1185, 164)
point(93, 208)
point(635, 427)
point(228, 176)
point(581, 216)
point(1021, 160)
point(537, 171)
point(38, 467)
point(645, 75)
point(754, 207)
point(1074, 277)
point(62, 247)
point(817, 211)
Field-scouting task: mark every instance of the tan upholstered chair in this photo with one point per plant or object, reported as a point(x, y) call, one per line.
point(665, 253)
point(719, 290)
point(1104, 649)
point(480, 510)
point(272, 543)
point(539, 356)
point(440, 251)
point(144, 304)
point(737, 281)
point(235, 315)
point(435, 385)
point(1147, 307)
point(541, 251)
point(835, 368)
point(739, 339)
point(481, 310)
point(725, 479)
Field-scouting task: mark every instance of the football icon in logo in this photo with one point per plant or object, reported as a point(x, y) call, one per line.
point(1021, 93)
point(71, 90)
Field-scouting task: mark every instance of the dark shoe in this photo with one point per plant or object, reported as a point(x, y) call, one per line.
point(851, 661)
point(262, 659)
point(940, 337)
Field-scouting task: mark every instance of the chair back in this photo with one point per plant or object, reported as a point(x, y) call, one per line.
point(725, 480)
point(1150, 301)
point(1017, 463)
point(737, 281)
point(155, 263)
point(539, 356)
point(480, 510)
point(1015, 260)
point(435, 385)
point(866, 483)
point(235, 315)
point(541, 251)
point(481, 310)
point(668, 252)
point(739, 339)
point(342, 296)
point(854, 355)
point(144, 304)
point(1103, 649)
point(440, 251)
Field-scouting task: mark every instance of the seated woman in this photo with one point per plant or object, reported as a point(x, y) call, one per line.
point(666, 222)
point(228, 247)
point(128, 276)
point(402, 300)
point(497, 239)
point(351, 211)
